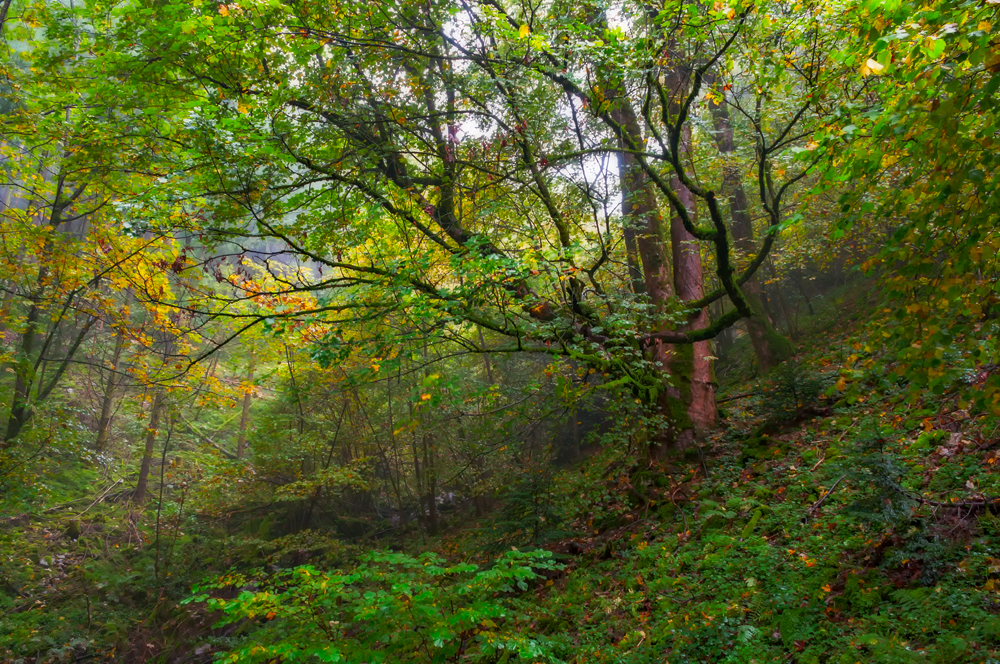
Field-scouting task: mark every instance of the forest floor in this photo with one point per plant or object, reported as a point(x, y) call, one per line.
point(818, 524)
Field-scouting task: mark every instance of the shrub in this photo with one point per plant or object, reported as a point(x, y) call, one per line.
point(390, 608)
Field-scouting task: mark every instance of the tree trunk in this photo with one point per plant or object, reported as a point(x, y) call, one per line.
point(769, 346)
point(692, 380)
point(486, 356)
point(4, 9)
point(430, 479)
point(245, 416)
point(139, 495)
point(630, 176)
point(108, 401)
point(431, 482)
point(24, 377)
point(642, 214)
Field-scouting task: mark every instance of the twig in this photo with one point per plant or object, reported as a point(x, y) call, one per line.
point(679, 600)
point(826, 495)
point(738, 396)
point(99, 498)
point(990, 444)
point(59, 507)
point(965, 503)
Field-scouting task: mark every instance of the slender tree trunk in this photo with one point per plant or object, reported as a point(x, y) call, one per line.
point(431, 482)
point(630, 176)
point(802, 290)
point(4, 9)
point(110, 388)
point(430, 479)
point(245, 416)
point(769, 346)
point(139, 496)
point(786, 311)
point(418, 475)
point(25, 370)
point(486, 357)
point(24, 376)
point(209, 375)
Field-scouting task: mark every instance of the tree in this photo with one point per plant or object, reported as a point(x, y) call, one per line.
point(440, 159)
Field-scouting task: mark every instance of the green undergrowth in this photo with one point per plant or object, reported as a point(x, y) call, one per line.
point(820, 524)
point(832, 518)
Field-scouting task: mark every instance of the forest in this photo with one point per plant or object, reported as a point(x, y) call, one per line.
point(500, 331)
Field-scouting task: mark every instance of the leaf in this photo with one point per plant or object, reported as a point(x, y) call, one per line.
point(871, 67)
point(524, 31)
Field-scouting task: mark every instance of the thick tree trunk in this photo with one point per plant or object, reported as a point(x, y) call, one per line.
point(139, 495)
point(642, 213)
point(692, 380)
point(110, 389)
point(769, 346)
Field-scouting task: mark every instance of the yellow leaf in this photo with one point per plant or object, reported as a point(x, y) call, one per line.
point(871, 67)
point(731, 14)
point(841, 384)
point(985, 26)
point(524, 31)
point(425, 397)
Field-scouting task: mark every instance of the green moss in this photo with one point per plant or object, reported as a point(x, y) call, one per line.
point(780, 345)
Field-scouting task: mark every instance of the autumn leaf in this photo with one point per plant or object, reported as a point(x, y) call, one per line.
point(871, 67)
